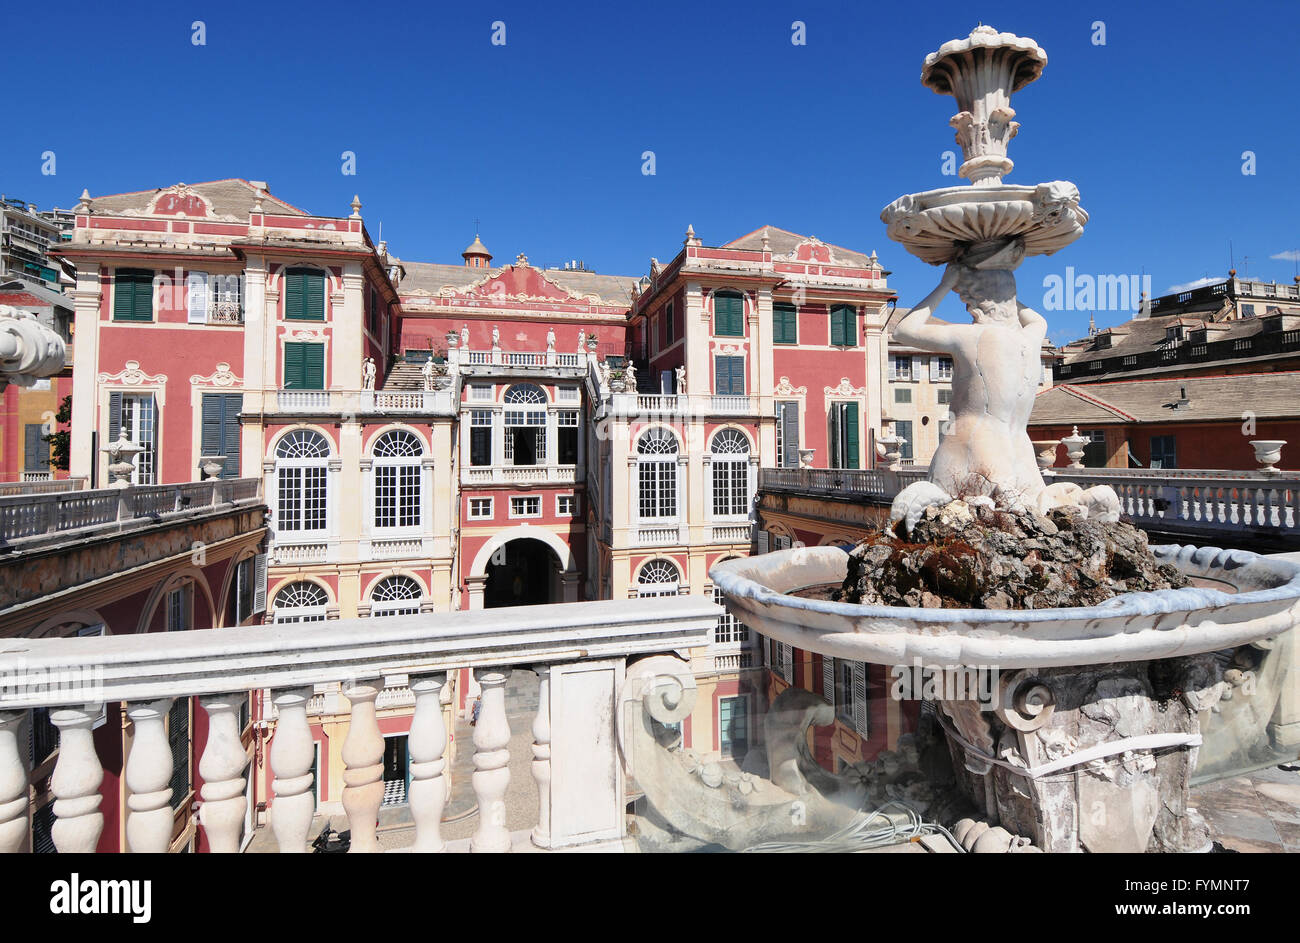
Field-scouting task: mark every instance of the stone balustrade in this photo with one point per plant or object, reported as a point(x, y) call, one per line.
point(27, 517)
point(579, 651)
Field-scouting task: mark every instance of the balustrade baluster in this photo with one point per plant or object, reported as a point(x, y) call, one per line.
point(542, 757)
point(222, 768)
point(148, 778)
point(427, 743)
point(75, 783)
point(491, 762)
point(13, 785)
point(1233, 497)
point(363, 761)
point(292, 753)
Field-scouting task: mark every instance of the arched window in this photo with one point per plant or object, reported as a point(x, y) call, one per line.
point(302, 483)
point(658, 578)
point(729, 453)
point(397, 476)
point(395, 596)
point(728, 314)
point(300, 602)
point(524, 419)
point(657, 474)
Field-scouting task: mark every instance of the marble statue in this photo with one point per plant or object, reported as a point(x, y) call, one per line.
point(582, 342)
point(464, 337)
point(629, 377)
point(427, 372)
point(368, 372)
point(996, 371)
point(679, 373)
point(496, 337)
point(550, 339)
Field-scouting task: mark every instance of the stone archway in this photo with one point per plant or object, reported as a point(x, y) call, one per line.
point(496, 556)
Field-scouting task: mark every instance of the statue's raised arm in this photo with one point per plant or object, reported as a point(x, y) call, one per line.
point(918, 329)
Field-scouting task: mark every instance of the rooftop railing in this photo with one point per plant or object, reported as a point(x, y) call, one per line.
point(579, 652)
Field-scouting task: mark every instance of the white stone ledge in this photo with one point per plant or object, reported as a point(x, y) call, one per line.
point(211, 661)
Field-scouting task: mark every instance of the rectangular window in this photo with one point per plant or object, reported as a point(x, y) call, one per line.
point(196, 297)
point(397, 495)
point(480, 437)
point(902, 396)
point(566, 505)
point(940, 369)
point(657, 488)
point(179, 609)
point(729, 630)
point(900, 367)
point(302, 496)
point(730, 487)
point(137, 415)
point(36, 451)
point(728, 314)
point(785, 324)
point(480, 392)
point(526, 506)
point(844, 326)
point(904, 429)
point(480, 509)
point(250, 573)
point(670, 323)
point(787, 434)
point(220, 433)
point(843, 435)
point(304, 295)
point(945, 396)
point(568, 394)
point(1164, 452)
point(1094, 453)
point(729, 376)
point(304, 366)
point(733, 726)
point(566, 437)
point(133, 294)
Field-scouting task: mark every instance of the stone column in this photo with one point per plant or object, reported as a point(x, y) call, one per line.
point(222, 767)
point(85, 399)
point(292, 753)
point(13, 785)
point(542, 757)
point(148, 777)
point(427, 743)
point(491, 762)
point(75, 783)
point(363, 757)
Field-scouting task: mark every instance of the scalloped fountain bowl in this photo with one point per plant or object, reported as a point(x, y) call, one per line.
point(1265, 601)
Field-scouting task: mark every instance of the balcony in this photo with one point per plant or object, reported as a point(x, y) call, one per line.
point(683, 405)
point(581, 732)
point(518, 474)
point(227, 311)
point(341, 402)
point(518, 358)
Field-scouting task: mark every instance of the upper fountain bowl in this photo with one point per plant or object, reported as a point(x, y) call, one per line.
point(964, 67)
point(938, 225)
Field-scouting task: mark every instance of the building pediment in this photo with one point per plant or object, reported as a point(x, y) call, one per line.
point(516, 283)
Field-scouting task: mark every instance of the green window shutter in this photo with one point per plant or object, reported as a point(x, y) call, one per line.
point(114, 416)
point(844, 326)
point(785, 324)
point(728, 314)
point(230, 433)
point(304, 295)
point(132, 295)
point(850, 435)
point(729, 376)
point(293, 366)
point(837, 328)
point(833, 438)
point(210, 437)
point(314, 367)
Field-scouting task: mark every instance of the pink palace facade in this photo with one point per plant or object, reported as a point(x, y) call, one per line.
point(436, 436)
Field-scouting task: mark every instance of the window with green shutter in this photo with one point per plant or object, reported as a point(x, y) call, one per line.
point(220, 432)
point(785, 324)
point(304, 294)
point(133, 294)
point(728, 314)
point(36, 451)
point(844, 326)
point(842, 435)
point(304, 366)
point(729, 376)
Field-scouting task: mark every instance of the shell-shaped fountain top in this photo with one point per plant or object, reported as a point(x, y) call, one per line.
point(1029, 58)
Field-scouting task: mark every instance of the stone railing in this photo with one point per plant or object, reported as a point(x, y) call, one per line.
point(364, 401)
point(518, 474)
point(579, 652)
point(657, 535)
point(41, 486)
point(683, 404)
point(519, 358)
point(879, 483)
point(32, 516)
point(1188, 499)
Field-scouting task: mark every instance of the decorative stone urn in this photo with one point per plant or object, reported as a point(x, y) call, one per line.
point(891, 447)
point(212, 465)
point(1268, 452)
point(1046, 451)
point(121, 460)
point(1074, 446)
point(806, 457)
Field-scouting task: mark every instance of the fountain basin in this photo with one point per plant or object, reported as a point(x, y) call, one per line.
point(936, 224)
point(1127, 628)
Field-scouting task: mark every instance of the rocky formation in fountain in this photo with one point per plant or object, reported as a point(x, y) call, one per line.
point(973, 556)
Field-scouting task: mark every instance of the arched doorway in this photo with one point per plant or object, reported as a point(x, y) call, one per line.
point(523, 572)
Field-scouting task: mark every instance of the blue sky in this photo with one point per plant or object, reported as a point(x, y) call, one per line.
point(542, 138)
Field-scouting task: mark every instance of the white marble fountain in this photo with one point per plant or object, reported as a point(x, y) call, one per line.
point(1093, 738)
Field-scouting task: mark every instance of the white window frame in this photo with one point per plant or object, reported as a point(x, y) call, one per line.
point(728, 469)
point(480, 516)
point(573, 505)
point(406, 471)
point(287, 467)
point(661, 492)
point(395, 605)
point(317, 612)
point(525, 497)
point(180, 608)
point(658, 587)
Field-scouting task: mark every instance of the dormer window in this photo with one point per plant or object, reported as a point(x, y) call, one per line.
point(1175, 333)
point(1103, 341)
